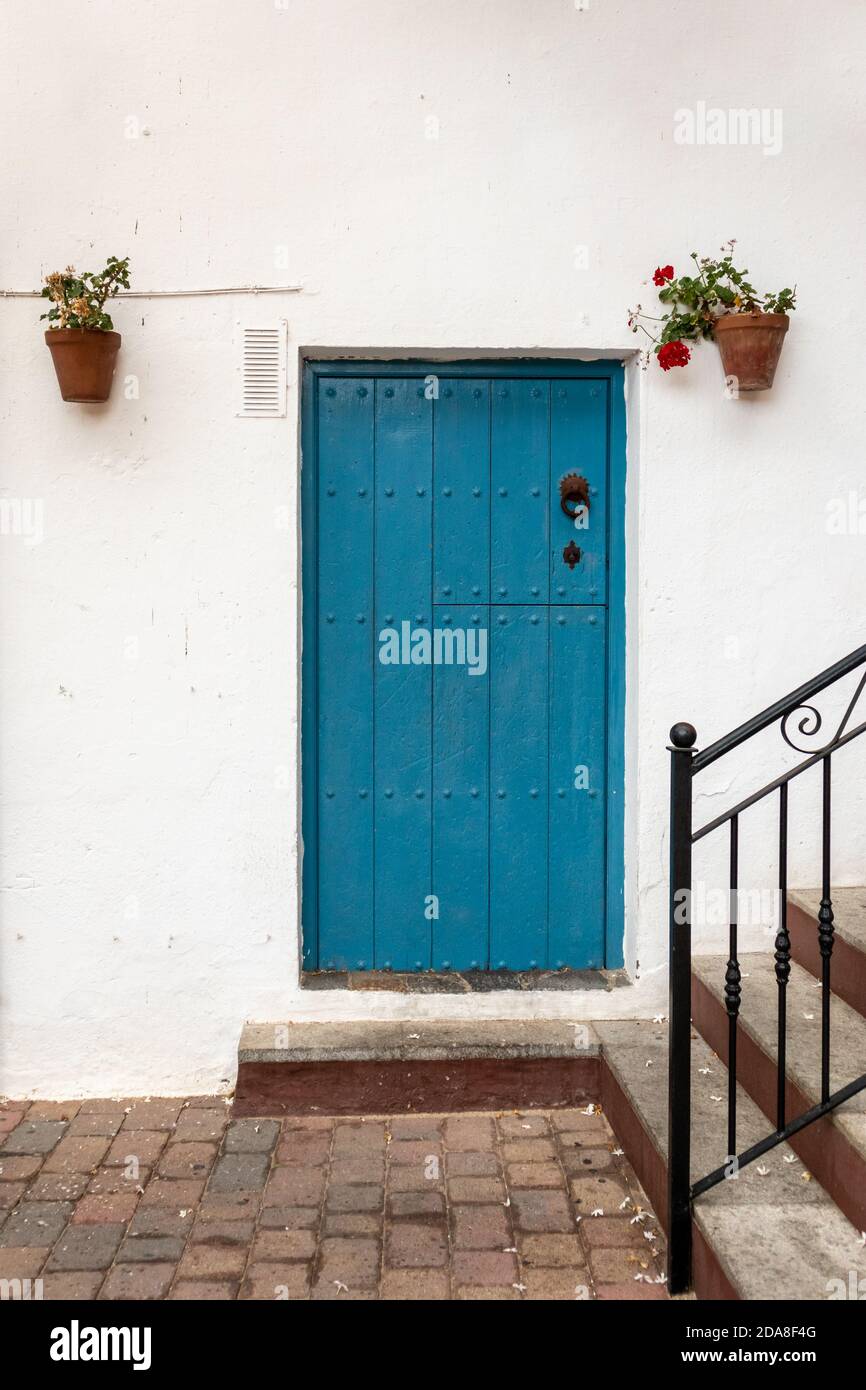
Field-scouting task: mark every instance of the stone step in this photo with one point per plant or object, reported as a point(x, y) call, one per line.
point(764, 1235)
point(373, 1067)
point(848, 962)
point(833, 1148)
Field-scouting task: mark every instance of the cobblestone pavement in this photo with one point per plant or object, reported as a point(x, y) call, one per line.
point(151, 1199)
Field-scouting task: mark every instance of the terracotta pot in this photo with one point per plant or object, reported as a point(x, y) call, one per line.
point(84, 360)
point(750, 346)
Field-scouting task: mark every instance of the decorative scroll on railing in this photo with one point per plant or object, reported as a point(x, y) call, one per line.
point(812, 715)
point(685, 764)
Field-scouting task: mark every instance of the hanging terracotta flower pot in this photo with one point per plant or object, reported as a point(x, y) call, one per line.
point(84, 360)
point(715, 300)
point(82, 340)
point(750, 346)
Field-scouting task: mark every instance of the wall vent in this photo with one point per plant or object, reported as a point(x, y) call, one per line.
point(262, 370)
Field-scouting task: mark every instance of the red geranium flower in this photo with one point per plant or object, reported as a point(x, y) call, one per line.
point(663, 274)
point(673, 355)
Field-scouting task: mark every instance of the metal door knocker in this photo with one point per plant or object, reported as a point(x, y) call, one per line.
point(573, 495)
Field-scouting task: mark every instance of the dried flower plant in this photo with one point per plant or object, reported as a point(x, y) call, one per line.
point(78, 300)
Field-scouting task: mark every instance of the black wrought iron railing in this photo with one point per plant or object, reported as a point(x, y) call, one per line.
point(686, 763)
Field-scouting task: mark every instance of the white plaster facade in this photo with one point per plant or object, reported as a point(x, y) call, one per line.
point(495, 177)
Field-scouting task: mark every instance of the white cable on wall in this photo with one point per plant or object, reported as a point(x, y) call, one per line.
point(172, 294)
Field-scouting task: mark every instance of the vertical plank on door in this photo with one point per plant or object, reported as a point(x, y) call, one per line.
point(345, 634)
point(461, 706)
point(461, 498)
point(403, 693)
point(579, 444)
point(520, 492)
point(518, 786)
point(577, 786)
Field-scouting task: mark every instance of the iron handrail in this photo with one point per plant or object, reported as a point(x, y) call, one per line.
point(786, 705)
point(686, 762)
point(773, 786)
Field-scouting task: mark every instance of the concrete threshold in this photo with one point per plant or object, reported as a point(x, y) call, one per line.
point(464, 981)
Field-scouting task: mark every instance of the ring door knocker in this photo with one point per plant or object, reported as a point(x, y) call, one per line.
point(574, 500)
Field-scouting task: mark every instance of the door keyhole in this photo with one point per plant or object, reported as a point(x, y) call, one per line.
point(571, 554)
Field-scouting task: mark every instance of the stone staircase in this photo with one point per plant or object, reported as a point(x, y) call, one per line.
point(789, 1227)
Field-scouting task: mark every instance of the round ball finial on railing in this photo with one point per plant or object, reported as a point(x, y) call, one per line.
point(683, 735)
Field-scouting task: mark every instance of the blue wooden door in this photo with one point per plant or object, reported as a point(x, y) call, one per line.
point(461, 679)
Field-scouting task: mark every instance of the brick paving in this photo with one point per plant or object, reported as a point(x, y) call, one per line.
point(153, 1199)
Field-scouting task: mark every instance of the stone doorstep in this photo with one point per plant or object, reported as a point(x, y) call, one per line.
point(414, 1066)
point(372, 1040)
point(403, 1066)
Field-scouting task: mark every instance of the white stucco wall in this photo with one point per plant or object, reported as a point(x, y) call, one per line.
point(148, 683)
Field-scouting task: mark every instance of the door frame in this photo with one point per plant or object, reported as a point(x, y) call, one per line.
point(612, 372)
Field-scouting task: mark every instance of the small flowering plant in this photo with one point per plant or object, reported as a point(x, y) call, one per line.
point(695, 301)
point(78, 299)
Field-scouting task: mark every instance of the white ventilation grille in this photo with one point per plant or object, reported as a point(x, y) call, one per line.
point(262, 370)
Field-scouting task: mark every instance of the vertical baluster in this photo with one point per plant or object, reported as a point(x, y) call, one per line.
point(825, 936)
point(732, 990)
point(783, 955)
point(680, 1041)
